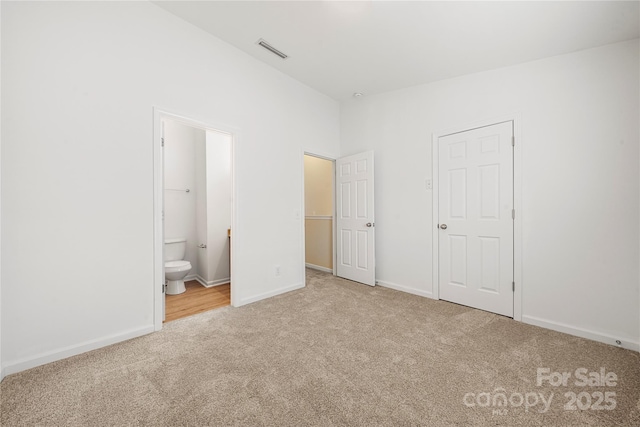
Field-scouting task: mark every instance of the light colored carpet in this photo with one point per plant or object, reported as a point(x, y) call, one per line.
point(333, 353)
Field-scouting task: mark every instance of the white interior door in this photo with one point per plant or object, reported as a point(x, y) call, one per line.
point(476, 218)
point(355, 220)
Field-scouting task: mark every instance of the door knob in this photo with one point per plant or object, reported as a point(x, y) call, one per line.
point(369, 224)
point(443, 226)
point(202, 246)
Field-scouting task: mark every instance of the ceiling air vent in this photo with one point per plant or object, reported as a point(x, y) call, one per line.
point(271, 49)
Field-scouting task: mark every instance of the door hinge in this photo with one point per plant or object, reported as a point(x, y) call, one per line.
point(513, 286)
point(163, 215)
point(163, 286)
point(162, 141)
point(513, 214)
point(513, 141)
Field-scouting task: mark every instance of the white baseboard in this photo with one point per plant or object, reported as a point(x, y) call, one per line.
point(270, 294)
point(319, 268)
point(191, 277)
point(209, 284)
point(581, 332)
point(2, 374)
point(63, 353)
point(406, 289)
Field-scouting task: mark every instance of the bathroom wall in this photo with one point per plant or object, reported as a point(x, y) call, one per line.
point(318, 202)
point(218, 164)
point(180, 143)
point(201, 271)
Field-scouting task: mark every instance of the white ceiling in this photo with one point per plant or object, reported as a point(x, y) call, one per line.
point(340, 48)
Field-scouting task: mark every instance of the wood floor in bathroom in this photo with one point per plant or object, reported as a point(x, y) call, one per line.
point(195, 300)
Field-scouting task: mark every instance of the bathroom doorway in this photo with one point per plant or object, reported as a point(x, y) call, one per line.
point(319, 227)
point(194, 195)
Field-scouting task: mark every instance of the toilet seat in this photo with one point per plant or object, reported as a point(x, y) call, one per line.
point(177, 265)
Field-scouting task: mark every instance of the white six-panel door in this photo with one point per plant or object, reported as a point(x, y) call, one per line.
point(355, 226)
point(475, 218)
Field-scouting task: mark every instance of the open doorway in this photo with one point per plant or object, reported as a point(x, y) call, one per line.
point(319, 224)
point(194, 198)
point(339, 233)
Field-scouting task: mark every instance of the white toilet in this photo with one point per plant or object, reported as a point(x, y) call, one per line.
point(175, 267)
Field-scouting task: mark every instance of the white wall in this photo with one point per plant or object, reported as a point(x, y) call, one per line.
point(79, 82)
point(202, 267)
point(219, 185)
point(580, 181)
point(180, 145)
point(1, 364)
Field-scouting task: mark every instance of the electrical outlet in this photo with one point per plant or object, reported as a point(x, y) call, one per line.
point(276, 270)
point(428, 183)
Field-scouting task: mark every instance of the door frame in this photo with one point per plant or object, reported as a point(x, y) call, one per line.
point(332, 159)
point(515, 118)
point(160, 114)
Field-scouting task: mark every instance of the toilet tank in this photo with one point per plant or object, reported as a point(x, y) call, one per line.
point(174, 249)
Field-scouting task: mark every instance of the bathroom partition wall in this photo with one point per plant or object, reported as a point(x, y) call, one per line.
point(201, 209)
point(213, 207)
